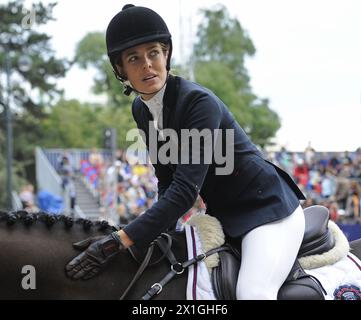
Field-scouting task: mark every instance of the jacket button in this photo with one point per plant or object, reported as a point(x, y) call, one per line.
point(259, 191)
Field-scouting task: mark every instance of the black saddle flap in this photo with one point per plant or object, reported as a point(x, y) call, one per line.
point(318, 238)
point(225, 275)
point(316, 220)
point(300, 286)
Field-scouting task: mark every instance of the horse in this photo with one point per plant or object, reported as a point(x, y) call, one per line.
point(35, 247)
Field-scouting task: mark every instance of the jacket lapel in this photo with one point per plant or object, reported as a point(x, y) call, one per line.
point(169, 99)
point(169, 103)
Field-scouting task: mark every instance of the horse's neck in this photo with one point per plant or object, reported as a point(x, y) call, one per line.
point(49, 248)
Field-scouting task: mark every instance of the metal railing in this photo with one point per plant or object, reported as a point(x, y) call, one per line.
point(46, 176)
point(48, 179)
point(75, 157)
point(15, 201)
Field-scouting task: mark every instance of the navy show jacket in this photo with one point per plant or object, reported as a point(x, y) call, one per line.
point(254, 193)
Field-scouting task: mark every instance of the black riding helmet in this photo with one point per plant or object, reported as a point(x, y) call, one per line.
point(134, 26)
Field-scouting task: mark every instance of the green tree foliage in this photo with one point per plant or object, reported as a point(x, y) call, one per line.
point(223, 39)
point(72, 124)
point(219, 78)
point(219, 60)
point(18, 180)
point(265, 122)
point(91, 52)
point(32, 90)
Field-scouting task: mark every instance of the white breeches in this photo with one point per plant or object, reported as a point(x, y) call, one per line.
point(268, 254)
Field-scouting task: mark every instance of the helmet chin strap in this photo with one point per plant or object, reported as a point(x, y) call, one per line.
point(128, 88)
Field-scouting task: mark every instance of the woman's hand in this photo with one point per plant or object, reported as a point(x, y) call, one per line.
point(99, 252)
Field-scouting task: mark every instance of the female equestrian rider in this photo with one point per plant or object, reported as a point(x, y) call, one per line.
point(256, 202)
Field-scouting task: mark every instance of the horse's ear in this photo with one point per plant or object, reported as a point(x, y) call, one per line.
point(83, 244)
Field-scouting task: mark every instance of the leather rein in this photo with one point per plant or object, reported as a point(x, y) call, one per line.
point(164, 242)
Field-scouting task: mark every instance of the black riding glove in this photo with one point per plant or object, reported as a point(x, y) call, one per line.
point(100, 251)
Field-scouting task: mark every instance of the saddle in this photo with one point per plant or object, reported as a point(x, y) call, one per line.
point(299, 285)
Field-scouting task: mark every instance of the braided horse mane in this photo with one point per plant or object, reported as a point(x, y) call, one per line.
point(29, 219)
point(44, 242)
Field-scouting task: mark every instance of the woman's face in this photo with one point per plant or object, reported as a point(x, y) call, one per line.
point(145, 68)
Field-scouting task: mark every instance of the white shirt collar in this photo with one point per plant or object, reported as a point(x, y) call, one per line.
point(156, 101)
point(155, 106)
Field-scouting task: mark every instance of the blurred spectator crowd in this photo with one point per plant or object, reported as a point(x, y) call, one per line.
point(329, 179)
point(125, 187)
